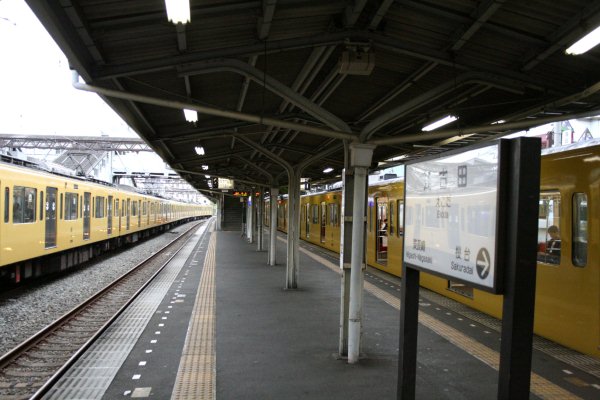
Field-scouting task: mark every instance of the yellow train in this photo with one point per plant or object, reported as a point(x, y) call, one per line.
point(50, 222)
point(567, 304)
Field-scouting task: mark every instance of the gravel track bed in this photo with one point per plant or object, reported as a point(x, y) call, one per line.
point(25, 311)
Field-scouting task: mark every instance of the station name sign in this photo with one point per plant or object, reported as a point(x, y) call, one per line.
point(453, 213)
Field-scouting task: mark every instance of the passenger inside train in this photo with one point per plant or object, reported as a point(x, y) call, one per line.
point(553, 245)
point(549, 252)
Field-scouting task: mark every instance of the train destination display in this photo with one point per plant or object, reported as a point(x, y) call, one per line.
point(451, 216)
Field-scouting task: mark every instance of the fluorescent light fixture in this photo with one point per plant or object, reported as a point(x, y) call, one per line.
point(205, 167)
point(585, 43)
point(444, 121)
point(397, 158)
point(207, 176)
point(327, 170)
point(190, 115)
point(178, 11)
point(199, 150)
point(500, 121)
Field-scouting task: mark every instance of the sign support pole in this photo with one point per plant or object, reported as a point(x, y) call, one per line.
point(409, 315)
point(520, 269)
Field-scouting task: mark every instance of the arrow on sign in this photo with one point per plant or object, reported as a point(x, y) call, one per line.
point(483, 263)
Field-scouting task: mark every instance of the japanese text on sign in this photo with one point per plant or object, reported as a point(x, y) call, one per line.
point(451, 215)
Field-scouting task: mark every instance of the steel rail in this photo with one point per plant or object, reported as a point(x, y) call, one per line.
point(13, 355)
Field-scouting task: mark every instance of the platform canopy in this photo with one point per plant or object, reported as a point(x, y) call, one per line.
point(289, 81)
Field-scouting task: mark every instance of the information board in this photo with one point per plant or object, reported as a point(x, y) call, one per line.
point(224, 183)
point(452, 216)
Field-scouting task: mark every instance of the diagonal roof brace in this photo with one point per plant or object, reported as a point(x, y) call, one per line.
point(270, 83)
point(336, 134)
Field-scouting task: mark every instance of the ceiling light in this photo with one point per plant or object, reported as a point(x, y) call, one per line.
point(205, 167)
point(327, 170)
point(199, 150)
point(178, 11)
point(585, 43)
point(190, 115)
point(207, 176)
point(500, 121)
point(444, 121)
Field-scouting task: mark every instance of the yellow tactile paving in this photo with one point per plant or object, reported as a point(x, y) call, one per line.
point(540, 386)
point(197, 369)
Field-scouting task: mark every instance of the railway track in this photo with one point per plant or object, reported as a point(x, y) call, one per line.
point(30, 368)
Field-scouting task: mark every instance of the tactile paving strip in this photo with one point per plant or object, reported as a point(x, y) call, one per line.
point(540, 386)
point(196, 377)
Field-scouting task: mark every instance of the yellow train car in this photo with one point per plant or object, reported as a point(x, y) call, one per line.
point(50, 222)
point(320, 219)
point(567, 305)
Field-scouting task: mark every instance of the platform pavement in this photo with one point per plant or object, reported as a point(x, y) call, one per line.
point(282, 344)
point(273, 343)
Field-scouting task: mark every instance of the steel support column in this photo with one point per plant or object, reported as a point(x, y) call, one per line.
point(219, 221)
point(293, 262)
point(250, 219)
point(360, 159)
point(274, 192)
point(259, 220)
point(345, 256)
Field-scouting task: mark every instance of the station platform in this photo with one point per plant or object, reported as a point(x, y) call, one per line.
point(217, 323)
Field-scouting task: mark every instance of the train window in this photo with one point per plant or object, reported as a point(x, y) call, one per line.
point(549, 228)
point(370, 222)
point(333, 214)
point(315, 213)
point(80, 206)
point(6, 207)
point(61, 206)
point(400, 217)
point(24, 204)
point(145, 208)
point(580, 231)
point(134, 208)
point(99, 207)
point(41, 205)
point(71, 206)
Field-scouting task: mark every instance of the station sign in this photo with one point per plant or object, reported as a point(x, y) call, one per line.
point(453, 215)
point(224, 183)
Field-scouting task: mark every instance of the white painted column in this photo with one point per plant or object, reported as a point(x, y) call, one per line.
point(292, 266)
point(360, 159)
point(250, 219)
point(259, 220)
point(220, 212)
point(273, 226)
point(345, 256)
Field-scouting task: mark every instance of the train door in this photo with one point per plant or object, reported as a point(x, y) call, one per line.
point(109, 214)
point(139, 211)
point(128, 214)
point(87, 199)
point(323, 220)
point(51, 217)
point(307, 221)
point(381, 230)
point(118, 214)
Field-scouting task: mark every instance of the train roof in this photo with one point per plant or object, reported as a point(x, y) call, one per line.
point(34, 168)
point(573, 146)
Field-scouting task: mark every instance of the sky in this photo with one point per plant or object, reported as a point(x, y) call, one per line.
point(36, 96)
